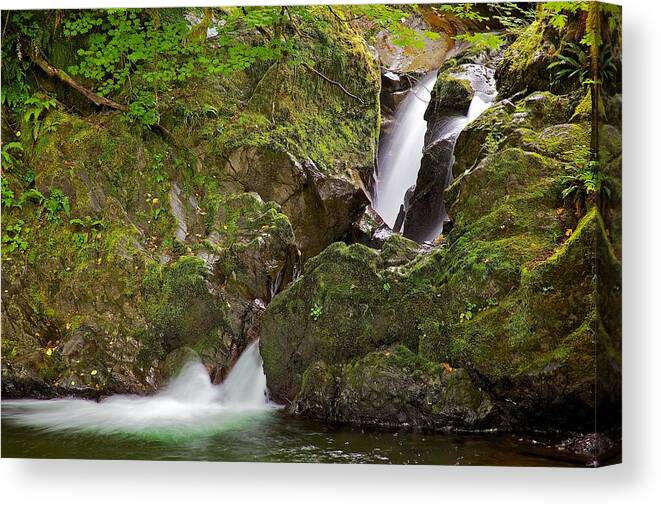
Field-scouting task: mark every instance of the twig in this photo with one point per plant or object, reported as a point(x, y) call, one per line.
point(335, 83)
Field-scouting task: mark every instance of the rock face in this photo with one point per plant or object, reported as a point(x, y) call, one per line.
point(347, 304)
point(164, 248)
point(394, 388)
point(524, 64)
point(519, 298)
point(427, 202)
point(449, 95)
point(322, 208)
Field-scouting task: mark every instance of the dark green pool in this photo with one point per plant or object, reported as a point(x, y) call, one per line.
point(275, 437)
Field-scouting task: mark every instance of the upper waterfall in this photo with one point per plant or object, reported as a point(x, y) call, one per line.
point(400, 151)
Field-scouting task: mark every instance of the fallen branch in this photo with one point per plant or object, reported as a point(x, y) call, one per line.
point(335, 83)
point(52, 71)
point(98, 100)
point(341, 19)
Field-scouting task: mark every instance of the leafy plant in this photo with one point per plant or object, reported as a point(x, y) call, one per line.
point(80, 239)
point(572, 63)
point(8, 198)
point(8, 159)
point(34, 107)
point(467, 314)
point(482, 41)
point(31, 195)
point(12, 237)
point(157, 212)
point(386, 287)
point(86, 223)
point(55, 204)
point(583, 186)
point(316, 311)
point(157, 167)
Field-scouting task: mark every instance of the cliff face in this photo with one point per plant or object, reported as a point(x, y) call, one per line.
point(137, 244)
point(518, 298)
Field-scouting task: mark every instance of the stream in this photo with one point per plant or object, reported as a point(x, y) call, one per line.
point(192, 419)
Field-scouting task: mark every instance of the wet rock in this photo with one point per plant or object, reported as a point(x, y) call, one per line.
point(381, 234)
point(392, 82)
point(320, 207)
point(394, 388)
point(398, 250)
point(175, 361)
point(345, 305)
point(254, 247)
point(524, 63)
point(363, 230)
point(597, 447)
point(450, 95)
point(426, 207)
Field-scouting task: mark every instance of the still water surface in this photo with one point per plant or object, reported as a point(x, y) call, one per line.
point(275, 437)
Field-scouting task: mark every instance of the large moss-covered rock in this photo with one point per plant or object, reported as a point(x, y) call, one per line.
point(251, 247)
point(165, 249)
point(510, 298)
point(321, 207)
point(345, 305)
point(394, 387)
point(525, 61)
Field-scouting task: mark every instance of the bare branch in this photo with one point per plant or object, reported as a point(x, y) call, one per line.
point(335, 83)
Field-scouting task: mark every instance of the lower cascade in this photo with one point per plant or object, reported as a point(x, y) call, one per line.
point(190, 402)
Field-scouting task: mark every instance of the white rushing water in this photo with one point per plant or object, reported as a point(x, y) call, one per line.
point(401, 151)
point(189, 403)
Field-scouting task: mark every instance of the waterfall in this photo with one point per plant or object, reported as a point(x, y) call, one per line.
point(400, 151)
point(189, 403)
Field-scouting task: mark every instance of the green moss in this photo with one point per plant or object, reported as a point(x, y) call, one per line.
point(566, 142)
point(361, 307)
point(522, 52)
point(179, 305)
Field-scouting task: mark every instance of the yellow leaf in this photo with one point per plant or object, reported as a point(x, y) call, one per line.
point(49, 351)
point(568, 232)
point(93, 372)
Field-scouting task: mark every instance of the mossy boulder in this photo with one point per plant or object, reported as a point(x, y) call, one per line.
point(394, 387)
point(525, 61)
point(180, 305)
point(398, 250)
point(321, 207)
point(345, 305)
point(536, 348)
point(251, 247)
point(450, 94)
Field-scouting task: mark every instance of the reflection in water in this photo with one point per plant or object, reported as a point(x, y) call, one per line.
point(275, 437)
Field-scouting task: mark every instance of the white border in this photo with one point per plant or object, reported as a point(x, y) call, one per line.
point(636, 482)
